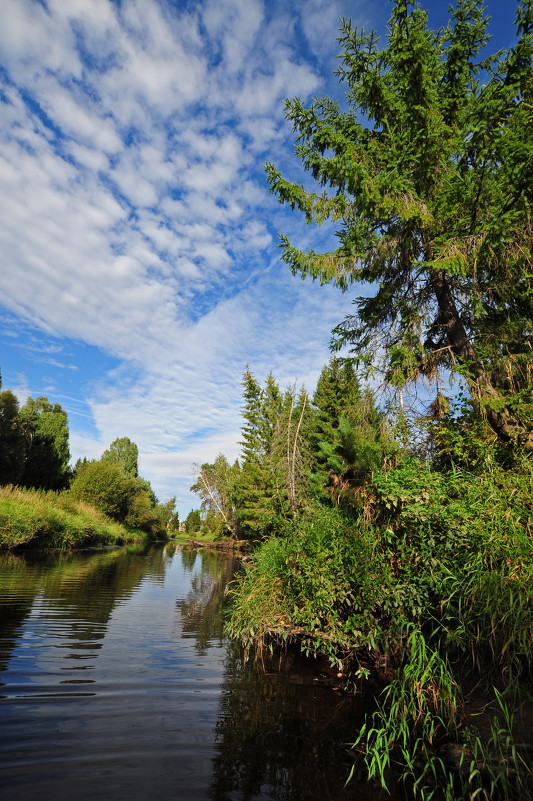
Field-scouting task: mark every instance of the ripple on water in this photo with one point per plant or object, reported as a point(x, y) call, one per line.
point(117, 682)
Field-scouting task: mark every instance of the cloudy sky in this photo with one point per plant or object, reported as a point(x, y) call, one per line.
point(140, 271)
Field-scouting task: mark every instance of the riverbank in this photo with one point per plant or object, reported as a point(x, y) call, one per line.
point(33, 518)
point(423, 593)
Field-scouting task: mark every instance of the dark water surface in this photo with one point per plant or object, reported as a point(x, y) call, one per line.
point(116, 681)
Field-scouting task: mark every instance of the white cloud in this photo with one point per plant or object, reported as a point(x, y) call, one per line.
point(29, 29)
point(135, 218)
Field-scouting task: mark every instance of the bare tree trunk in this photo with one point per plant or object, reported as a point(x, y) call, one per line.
point(294, 448)
point(292, 453)
point(290, 483)
point(217, 503)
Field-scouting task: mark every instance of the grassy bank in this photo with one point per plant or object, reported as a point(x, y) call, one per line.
point(32, 518)
point(426, 591)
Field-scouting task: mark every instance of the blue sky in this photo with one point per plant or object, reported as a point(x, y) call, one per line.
point(140, 269)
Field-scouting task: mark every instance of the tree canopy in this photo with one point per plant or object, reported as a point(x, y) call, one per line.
point(34, 443)
point(125, 454)
point(427, 174)
point(349, 438)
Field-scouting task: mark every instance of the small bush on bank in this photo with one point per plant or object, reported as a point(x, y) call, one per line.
point(260, 609)
point(124, 498)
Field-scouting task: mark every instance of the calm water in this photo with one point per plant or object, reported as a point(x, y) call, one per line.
point(116, 681)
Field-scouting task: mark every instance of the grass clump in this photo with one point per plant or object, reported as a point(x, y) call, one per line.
point(260, 609)
point(34, 518)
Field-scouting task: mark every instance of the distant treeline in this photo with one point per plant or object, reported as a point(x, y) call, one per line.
point(34, 455)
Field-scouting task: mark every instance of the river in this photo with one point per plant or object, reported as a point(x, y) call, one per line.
point(117, 681)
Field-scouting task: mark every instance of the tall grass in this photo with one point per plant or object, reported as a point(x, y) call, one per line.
point(33, 518)
point(260, 610)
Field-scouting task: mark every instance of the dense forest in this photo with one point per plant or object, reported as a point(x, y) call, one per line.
point(396, 541)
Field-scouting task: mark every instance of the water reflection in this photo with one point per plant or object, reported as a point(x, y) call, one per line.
point(117, 680)
point(200, 613)
point(283, 734)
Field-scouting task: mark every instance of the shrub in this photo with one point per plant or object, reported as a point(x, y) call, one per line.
point(126, 499)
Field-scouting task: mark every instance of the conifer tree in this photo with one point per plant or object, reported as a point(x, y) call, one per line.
point(253, 445)
point(349, 438)
point(256, 487)
point(427, 173)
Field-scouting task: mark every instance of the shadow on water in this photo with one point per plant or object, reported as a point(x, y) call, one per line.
point(284, 733)
point(116, 679)
point(284, 724)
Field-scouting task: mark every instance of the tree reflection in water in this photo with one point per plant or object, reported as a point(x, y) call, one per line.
point(283, 733)
point(201, 612)
point(226, 729)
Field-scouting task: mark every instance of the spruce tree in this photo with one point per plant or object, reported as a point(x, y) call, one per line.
point(350, 438)
point(256, 496)
point(427, 174)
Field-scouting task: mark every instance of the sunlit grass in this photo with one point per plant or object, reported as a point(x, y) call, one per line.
point(34, 518)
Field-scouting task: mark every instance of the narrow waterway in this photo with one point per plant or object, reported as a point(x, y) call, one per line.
point(116, 681)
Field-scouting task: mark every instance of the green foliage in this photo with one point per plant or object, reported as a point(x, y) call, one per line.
point(33, 518)
point(12, 442)
point(212, 525)
point(260, 609)
point(175, 521)
point(414, 709)
point(104, 485)
point(289, 457)
point(349, 438)
point(431, 200)
point(193, 522)
point(428, 587)
point(215, 485)
point(34, 449)
point(464, 543)
point(45, 445)
point(124, 498)
point(337, 581)
point(324, 579)
point(255, 493)
point(125, 454)
point(166, 513)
